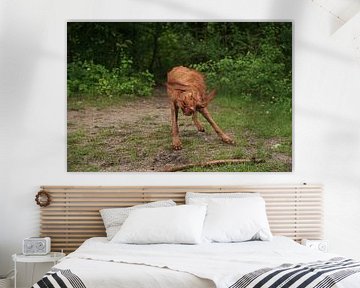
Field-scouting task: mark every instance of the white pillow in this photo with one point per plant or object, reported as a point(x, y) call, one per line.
point(236, 220)
point(113, 218)
point(203, 198)
point(180, 224)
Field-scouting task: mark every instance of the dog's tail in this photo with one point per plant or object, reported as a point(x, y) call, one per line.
point(210, 96)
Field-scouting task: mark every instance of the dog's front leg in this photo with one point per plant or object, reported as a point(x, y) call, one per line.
point(225, 138)
point(176, 143)
point(197, 123)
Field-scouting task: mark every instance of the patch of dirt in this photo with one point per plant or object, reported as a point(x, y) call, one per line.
point(155, 109)
point(282, 158)
point(164, 158)
point(274, 144)
point(251, 143)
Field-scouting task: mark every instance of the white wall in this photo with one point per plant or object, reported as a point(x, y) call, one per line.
point(33, 108)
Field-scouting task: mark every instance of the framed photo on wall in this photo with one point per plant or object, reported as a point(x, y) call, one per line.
point(179, 96)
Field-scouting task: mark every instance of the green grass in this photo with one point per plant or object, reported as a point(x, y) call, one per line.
point(246, 167)
point(261, 130)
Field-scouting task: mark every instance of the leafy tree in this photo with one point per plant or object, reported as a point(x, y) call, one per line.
point(241, 58)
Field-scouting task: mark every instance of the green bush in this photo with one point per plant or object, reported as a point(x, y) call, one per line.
point(88, 78)
point(257, 77)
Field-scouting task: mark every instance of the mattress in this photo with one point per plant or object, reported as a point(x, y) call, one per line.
point(99, 263)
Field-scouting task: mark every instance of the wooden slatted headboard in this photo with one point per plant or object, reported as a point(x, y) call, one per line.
point(73, 215)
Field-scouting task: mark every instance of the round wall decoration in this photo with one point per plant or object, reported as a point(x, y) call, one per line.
point(42, 198)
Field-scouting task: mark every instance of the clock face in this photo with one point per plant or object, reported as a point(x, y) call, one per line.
point(40, 245)
point(29, 245)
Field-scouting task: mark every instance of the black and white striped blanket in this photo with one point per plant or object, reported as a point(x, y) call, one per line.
point(320, 274)
point(59, 278)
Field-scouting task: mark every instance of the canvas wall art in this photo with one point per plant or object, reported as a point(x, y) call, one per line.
point(179, 96)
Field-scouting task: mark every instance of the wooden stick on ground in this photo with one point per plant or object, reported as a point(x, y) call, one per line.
point(212, 163)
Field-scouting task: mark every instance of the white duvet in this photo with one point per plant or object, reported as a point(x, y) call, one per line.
point(100, 263)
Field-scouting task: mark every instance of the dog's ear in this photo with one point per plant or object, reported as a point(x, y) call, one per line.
point(176, 86)
point(210, 96)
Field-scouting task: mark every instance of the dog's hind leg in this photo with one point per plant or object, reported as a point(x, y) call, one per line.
point(176, 143)
point(225, 138)
point(197, 123)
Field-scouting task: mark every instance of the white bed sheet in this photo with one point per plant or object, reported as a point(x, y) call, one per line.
point(100, 263)
point(101, 274)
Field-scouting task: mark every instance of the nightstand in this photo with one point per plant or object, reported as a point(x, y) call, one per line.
point(320, 245)
point(53, 257)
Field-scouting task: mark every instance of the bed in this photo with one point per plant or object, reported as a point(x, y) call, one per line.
point(293, 210)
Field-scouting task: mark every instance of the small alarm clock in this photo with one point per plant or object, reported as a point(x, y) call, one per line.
point(36, 246)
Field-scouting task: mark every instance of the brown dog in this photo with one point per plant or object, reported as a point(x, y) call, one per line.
point(186, 89)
